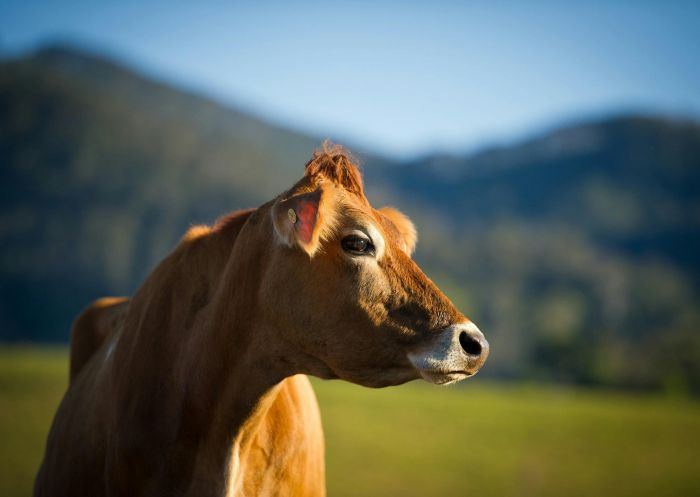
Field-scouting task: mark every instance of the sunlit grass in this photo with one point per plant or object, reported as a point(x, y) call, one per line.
point(495, 440)
point(479, 438)
point(32, 382)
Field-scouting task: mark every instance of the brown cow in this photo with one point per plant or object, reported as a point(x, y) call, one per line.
point(196, 385)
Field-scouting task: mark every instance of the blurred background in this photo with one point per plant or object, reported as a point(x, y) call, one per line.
point(548, 152)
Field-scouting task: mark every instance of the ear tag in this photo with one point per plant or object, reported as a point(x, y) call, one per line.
point(292, 216)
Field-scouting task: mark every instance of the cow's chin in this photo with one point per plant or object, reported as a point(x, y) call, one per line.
point(375, 377)
point(380, 378)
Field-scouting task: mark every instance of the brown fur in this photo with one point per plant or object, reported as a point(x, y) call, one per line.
point(92, 327)
point(195, 385)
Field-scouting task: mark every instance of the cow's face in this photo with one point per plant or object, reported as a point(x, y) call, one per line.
point(345, 295)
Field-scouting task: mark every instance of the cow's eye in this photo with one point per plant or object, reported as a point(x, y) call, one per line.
point(357, 245)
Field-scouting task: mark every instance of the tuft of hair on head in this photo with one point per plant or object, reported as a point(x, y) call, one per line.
point(334, 163)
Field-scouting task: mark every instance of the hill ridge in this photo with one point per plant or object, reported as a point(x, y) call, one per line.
point(576, 250)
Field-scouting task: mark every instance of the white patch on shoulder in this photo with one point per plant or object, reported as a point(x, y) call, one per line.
point(110, 346)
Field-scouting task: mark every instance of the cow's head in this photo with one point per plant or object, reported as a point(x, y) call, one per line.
point(345, 295)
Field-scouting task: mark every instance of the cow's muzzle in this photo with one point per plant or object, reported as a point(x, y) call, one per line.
point(452, 354)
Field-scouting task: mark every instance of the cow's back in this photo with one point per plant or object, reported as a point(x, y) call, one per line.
point(79, 423)
point(73, 463)
point(92, 327)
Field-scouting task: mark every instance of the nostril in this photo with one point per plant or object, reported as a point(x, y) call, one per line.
point(471, 345)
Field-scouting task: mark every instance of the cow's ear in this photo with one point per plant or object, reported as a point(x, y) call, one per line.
point(404, 227)
point(304, 219)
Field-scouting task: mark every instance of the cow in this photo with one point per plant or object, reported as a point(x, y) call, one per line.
point(197, 386)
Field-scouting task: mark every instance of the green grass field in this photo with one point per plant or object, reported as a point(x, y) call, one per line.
point(480, 438)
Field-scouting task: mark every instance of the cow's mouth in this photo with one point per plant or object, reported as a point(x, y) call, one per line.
point(445, 377)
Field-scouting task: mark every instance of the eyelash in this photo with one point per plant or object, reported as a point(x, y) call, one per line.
point(347, 242)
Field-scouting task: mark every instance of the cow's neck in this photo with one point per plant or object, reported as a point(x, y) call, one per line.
point(232, 399)
point(242, 374)
point(225, 365)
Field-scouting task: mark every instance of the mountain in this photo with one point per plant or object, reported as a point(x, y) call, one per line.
point(102, 171)
point(630, 182)
point(575, 251)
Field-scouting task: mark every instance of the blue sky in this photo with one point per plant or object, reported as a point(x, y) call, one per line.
point(400, 77)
